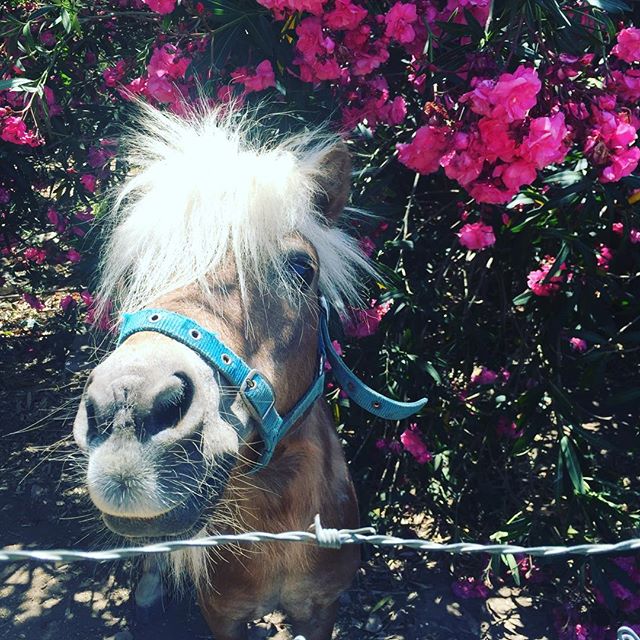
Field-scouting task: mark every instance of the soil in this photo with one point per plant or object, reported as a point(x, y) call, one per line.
point(398, 595)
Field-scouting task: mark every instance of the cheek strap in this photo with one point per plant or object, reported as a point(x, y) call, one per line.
point(254, 389)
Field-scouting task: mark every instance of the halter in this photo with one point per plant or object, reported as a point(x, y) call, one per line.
point(253, 387)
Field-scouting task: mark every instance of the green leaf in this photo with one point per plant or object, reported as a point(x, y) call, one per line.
point(565, 178)
point(15, 83)
point(573, 465)
point(554, 7)
point(557, 263)
point(510, 561)
point(66, 20)
point(431, 370)
point(522, 298)
point(610, 6)
point(626, 397)
point(381, 603)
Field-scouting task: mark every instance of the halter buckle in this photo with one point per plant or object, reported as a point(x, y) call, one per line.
point(249, 383)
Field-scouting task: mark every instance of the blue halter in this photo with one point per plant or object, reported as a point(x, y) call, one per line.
point(253, 387)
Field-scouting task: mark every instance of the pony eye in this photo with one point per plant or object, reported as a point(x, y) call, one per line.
point(301, 266)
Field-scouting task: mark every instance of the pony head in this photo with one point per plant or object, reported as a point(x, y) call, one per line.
point(239, 235)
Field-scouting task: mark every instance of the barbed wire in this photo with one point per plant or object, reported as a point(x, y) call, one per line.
point(323, 537)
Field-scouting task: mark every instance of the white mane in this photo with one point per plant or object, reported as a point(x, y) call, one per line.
point(205, 189)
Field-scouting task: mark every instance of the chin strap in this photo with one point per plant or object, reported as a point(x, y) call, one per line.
point(253, 387)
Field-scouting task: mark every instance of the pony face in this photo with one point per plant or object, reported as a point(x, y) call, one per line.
point(164, 432)
point(239, 237)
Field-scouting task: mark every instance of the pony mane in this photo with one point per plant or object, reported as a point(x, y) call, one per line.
point(205, 188)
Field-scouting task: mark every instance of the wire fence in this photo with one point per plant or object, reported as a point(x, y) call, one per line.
point(327, 538)
point(323, 537)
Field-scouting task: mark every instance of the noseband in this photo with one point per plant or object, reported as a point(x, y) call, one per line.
point(253, 387)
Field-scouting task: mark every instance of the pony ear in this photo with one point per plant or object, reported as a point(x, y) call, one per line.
point(334, 181)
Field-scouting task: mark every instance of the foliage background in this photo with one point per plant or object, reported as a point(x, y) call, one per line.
point(529, 436)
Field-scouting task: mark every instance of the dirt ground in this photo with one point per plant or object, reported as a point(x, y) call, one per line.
point(398, 595)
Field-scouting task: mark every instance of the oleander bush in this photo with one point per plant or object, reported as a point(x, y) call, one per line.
point(495, 155)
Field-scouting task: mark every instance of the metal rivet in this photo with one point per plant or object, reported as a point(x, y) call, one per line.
point(195, 334)
point(226, 358)
point(376, 405)
point(250, 384)
point(154, 317)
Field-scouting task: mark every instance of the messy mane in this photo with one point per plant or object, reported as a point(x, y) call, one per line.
point(204, 187)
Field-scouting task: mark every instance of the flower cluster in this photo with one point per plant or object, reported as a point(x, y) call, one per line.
point(344, 44)
point(498, 148)
point(411, 441)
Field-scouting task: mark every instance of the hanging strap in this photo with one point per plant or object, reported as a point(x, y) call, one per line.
point(253, 387)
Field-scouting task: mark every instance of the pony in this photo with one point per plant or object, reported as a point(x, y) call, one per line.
point(240, 236)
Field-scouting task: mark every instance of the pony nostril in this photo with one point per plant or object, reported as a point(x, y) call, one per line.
point(96, 433)
point(170, 406)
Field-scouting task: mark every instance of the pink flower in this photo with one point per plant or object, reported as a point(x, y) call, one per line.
point(623, 163)
point(345, 15)
point(516, 93)
point(497, 142)
point(32, 301)
point(484, 376)
point(536, 279)
point(167, 64)
point(381, 444)
point(510, 98)
point(87, 298)
point(617, 228)
point(338, 349)
point(318, 61)
point(365, 322)
point(88, 181)
point(627, 84)
point(604, 256)
point(279, 7)
point(263, 77)
point(33, 254)
point(506, 428)
point(5, 195)
point(399, 22)
point(578, 344)
point(466, 161)
point(56, 220)
point(97, 157)
point(468, 588)
point(396, 111)
point(365, 61)
point(68, 302)
point(54, 108)
point(515, 175)
point(14, 130)
point(490, 193)
point(476, 236)
point(48, 38)
point(628, 47)
point(412, 441)
point(634, 236)
point(73, 255)
point(544, 144)
point(426, 149)
point(113, 75)
point(161, 6)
